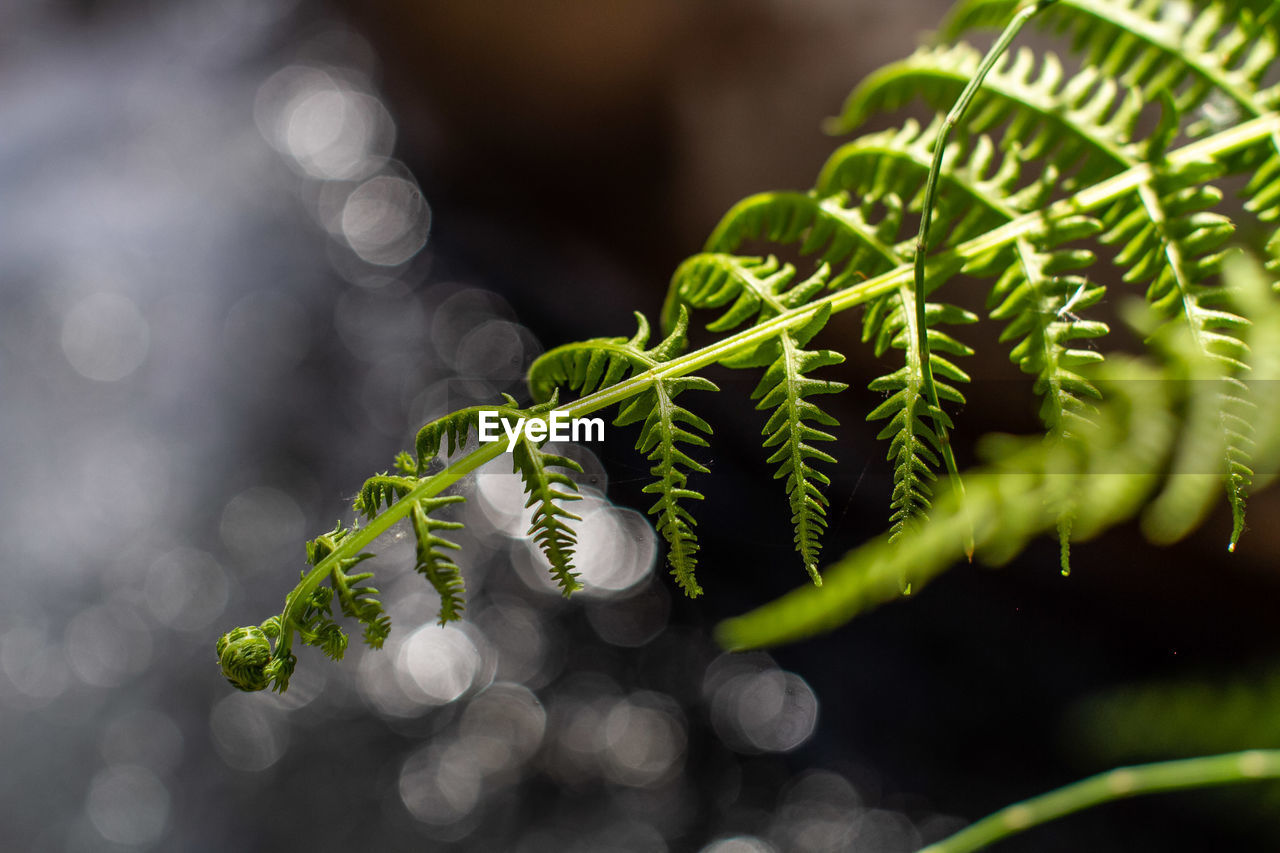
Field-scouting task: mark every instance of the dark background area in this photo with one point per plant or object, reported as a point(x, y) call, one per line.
point(570, 155)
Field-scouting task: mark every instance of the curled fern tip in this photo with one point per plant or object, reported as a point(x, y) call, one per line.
point(243, 654)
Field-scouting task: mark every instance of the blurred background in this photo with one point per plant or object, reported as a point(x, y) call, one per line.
point(247, 248)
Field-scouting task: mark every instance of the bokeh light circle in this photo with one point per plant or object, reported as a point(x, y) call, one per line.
point(105, 337)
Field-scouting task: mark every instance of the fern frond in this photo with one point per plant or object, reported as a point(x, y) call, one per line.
point(1082, 124)
point(406, 464)
point(1254, 291)
point(1006, 503)
point(825, 224)
point(382, 490)
point(1129, 445)
point(1262, 195)
point(325, 544)
point(1040, 307)
point(1211, 54)
point(844, 237)
point(1034, 134)
point(548, 490)
point(664, 425)
point(1175, 244)
point(980, 182)
point(315, 624)
point(434, 563)
point(361, 602)
point(1216, 426)
point(1075, 124)
point(449, 434)
point(317, 627)
point(588, 366)
point(1211, 61)
point(1038, 304)
point(663, 429)
point(891, 322)
point(785, 387)
point(979, 192)
point(915, 446)
point(760, 289)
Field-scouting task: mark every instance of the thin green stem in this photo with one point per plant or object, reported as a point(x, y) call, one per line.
point(926, 216)
point(1113, 785)
point(1208, 148)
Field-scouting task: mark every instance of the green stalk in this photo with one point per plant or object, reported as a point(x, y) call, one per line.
point(957, 112)
point(1113, 785)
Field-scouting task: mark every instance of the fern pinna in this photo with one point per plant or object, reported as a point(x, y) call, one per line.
point(602, 363)
point(1032, 176)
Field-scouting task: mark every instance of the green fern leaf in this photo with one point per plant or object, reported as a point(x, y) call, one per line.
point(841, 233)
point(433, 562)
point(843, 237)
point(760, 289)
point(1081, 124)
point(785, 387)
point(1005, 503)
point(1213, 59)
point(1175, 243)
point(316, 626)
point(915, 447)
point(548, 491)
point(1042, 153)
point(449, 434)
point(1207, 50)
point(665, 425)
point(325, 544)
point(589, 366)
point(382, 490)
point(1041, 307)
point(361, 602)
point(980, 183)
point(406, 464)
point(1254, 292)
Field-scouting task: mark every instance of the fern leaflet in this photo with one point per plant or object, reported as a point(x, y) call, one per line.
point(760, 290)
point(548, 489)
point(434, 562)
point(665, 425)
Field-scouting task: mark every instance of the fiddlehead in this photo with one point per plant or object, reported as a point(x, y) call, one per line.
point(243, 654)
